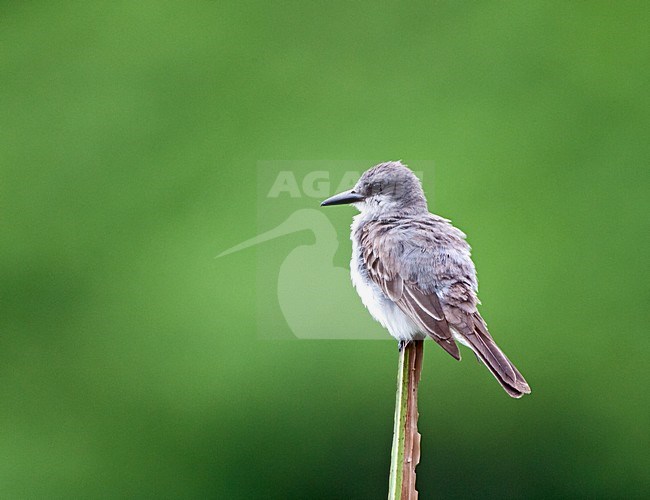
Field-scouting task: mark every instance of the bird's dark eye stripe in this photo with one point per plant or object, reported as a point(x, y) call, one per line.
point(375, 188)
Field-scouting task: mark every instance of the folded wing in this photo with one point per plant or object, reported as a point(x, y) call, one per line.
point(423, 307)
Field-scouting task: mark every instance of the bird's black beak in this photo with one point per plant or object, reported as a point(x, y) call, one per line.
point(343, 198)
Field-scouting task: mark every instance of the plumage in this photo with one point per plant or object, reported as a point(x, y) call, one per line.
point(413, 270)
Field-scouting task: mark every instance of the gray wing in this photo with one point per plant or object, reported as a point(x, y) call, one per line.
point(424, 266)
point(388, 255)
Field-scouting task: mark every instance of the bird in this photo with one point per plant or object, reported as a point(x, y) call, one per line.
point(414, 272)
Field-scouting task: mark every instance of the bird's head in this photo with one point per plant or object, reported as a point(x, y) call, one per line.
point(385, 189)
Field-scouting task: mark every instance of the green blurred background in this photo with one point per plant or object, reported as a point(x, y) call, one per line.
point(130, 362)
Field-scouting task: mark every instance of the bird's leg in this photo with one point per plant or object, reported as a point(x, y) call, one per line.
point(401, 344)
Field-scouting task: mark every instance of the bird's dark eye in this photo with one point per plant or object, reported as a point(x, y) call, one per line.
point(376, 188)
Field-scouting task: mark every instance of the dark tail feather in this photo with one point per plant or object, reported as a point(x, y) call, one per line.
point(501, 367)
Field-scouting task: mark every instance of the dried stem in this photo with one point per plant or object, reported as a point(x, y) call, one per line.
point(405, 453)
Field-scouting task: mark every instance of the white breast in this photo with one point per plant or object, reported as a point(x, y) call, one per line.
point(380, 306)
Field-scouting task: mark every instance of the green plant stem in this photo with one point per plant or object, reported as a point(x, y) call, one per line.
point(405, 454)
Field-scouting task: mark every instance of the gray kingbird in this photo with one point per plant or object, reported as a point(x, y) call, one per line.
point(413, 270)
